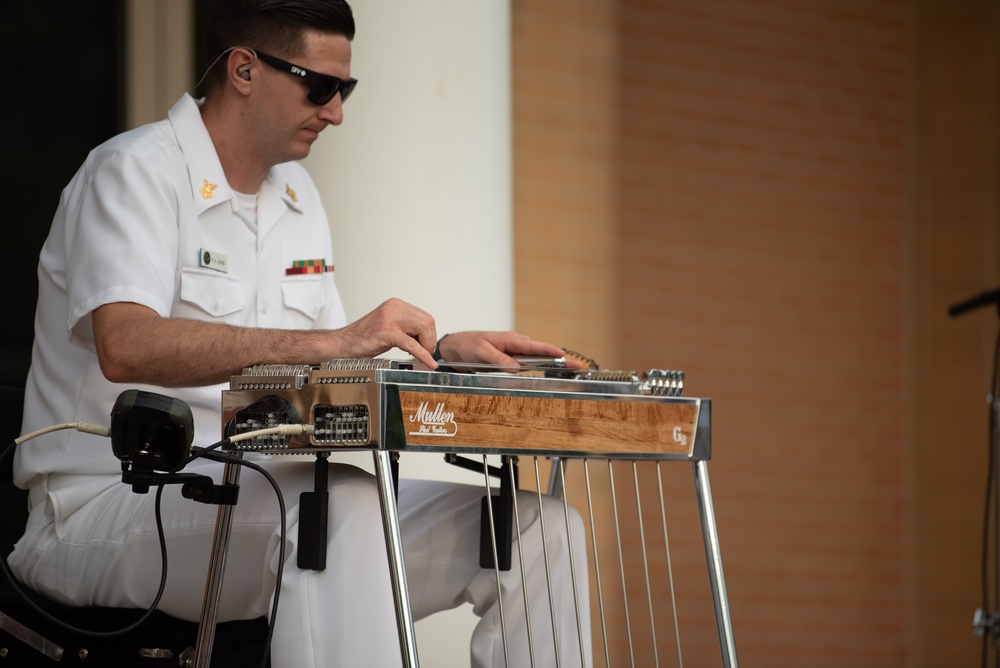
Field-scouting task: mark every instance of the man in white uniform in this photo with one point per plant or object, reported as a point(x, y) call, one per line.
point(171, 263)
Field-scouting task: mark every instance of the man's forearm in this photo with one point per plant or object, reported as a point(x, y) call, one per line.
point(136, 345)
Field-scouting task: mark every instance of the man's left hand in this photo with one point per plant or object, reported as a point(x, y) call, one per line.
point(493, 348)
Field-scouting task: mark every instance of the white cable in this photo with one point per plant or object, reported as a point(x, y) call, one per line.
point(85, 427)
point(282, 429)
point(96, 430)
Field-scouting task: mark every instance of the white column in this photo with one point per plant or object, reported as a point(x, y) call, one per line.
point(417, 180)
point(417, 184)
point(159, 47)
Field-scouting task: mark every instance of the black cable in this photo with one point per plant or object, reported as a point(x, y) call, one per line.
point(207, 453)
point(26, 595)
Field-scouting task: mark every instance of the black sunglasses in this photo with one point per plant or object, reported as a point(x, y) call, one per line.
point(322, 87)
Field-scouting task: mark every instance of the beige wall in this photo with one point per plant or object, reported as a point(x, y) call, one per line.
point(782, 199)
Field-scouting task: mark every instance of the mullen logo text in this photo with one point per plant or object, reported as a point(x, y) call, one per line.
point(437, 422)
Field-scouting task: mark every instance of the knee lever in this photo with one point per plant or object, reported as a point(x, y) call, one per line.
point(314, 513)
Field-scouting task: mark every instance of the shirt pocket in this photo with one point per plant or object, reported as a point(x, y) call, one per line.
point(305, 295)
point(212, 294)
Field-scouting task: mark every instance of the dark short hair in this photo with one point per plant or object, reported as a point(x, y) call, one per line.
point(273, 26)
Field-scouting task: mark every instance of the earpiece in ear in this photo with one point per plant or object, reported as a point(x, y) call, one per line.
point(245, 72)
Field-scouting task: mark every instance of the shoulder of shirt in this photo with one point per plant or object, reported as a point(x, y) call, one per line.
point(151, 143)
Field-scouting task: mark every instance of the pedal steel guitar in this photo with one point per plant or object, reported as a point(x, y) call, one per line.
point(546, 410)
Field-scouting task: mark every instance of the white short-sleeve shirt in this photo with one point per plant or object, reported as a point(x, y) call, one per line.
point(150, 218)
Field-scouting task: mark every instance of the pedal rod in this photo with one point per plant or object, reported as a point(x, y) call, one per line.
point(32, 639)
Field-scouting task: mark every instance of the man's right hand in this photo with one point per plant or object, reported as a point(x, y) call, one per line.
point(394, 324)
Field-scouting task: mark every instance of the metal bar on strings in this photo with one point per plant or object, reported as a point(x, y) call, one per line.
point(645, 561)
point(621, 563)
point(520, 557)
point(597, 565)
point(572, 569)
point(670, 570)
point(548, 574)
point(394, 550)
point(557, 485)
point(496, 561)
point(713, 554)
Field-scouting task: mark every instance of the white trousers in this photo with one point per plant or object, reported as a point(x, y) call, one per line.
point(107, 554)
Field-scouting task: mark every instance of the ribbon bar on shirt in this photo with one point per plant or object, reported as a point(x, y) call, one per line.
point(309, 267)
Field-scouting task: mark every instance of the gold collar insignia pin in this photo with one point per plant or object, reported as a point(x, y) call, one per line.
point(208, 190)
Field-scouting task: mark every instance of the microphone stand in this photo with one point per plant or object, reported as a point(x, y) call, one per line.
point(989, 622)
point(982, 299)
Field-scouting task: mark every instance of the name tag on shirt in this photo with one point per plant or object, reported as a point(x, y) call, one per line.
point(212, 260)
